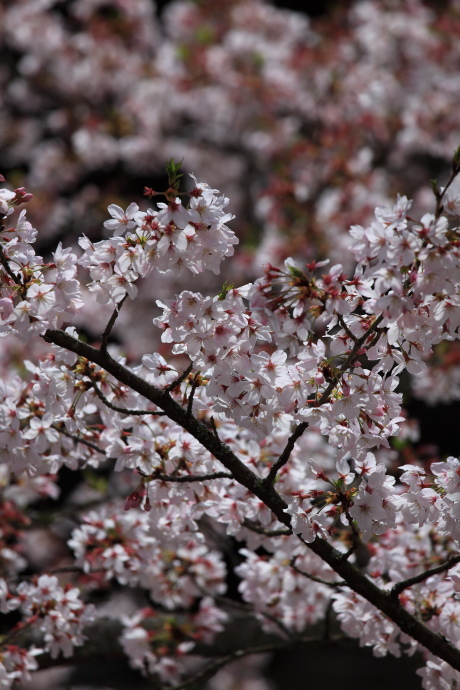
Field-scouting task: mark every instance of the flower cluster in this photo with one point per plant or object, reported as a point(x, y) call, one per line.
point(57, 612)
point(171, 237)
point(34, 295)
point(281, 594)
point(273, 426)
point(260, 88)
point(16, 665)
point(275, 417)
point(123, 545)
point(159, 650)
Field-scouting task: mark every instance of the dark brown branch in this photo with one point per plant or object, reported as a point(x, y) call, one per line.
point(213, 427)
point(110, 324)
point(286, 454)
point(299, 430)
point(355, 579)
point(356, 539)
point(192, 477)
point(179, 379)
point(190, 397)
point(349, 359)
point(346, 329)
point(4, 261)
point(158, 475)
point(374, 340)
point(61, 570)
point(246, 608)
point(164, 401)
point(421, 577)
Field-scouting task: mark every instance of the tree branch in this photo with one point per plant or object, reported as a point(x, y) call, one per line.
point(78, 439)
point(356, 539)
point(212, 668)
point(335, 585)
point(179, 379)
point(266, 532)
point(213, 427)
point(299, 430)
point(110, 324)
point(286, 454)
point(192, 477)
point(439, 196)
point(190, 397)
point(355, 579)
point(346, 329)
point(404, 584)
point(4, 261)
point(115, 408)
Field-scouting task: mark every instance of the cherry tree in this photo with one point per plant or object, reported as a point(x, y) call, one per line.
point(267, 416)
point(323, 118)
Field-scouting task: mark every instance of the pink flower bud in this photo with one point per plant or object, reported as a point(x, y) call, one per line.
point(135, 498)
point(319, 378)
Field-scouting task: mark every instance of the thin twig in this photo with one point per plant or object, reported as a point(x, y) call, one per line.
point(115, 408)
point(190, 397)
point(266, 532)
point(211, 669)
point(299, 430)
point(374, 340)
point(213, 427)
point(404, 584)
point(440, 195)
point(285, 455)
point(192, 477)
point(158, 475)
point(324, 397)
point(62, 569)
point(4, 261)
point(78, 439)
point(179, 379)
point(246, 608)
point(16, 632)
point(346, 329)
point(356, 539)
point(73, 569)
point(110, 325)
point(334, 585)
point(273, 619)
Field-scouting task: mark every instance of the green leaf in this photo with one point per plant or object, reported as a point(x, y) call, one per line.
point(172, 170)
point(435, 188)
point(225, 289)
point(296, 272)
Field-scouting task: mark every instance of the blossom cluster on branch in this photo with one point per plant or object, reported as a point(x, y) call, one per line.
point(270, 421)
point(323, 118)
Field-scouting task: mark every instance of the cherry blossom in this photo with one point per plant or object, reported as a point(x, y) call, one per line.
point(267, 416)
